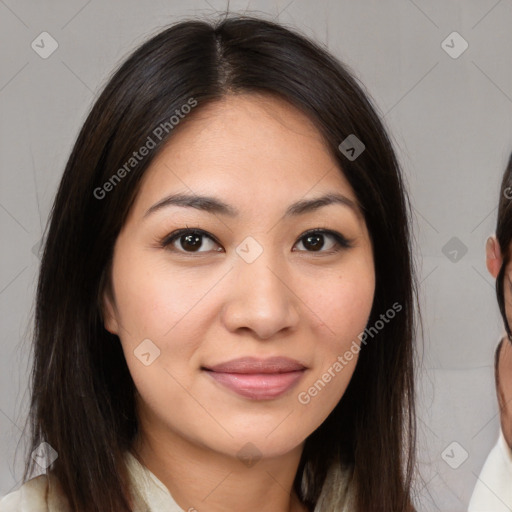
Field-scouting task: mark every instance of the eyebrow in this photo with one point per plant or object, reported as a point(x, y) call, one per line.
point(213, 205)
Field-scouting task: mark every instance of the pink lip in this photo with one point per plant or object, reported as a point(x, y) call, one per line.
point(255, 365)
point(258, 379)
point(258, 386)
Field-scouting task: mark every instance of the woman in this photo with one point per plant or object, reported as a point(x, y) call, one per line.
point(493, 490)
point(225, 308)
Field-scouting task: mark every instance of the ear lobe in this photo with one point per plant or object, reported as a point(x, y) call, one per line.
point(493, 255)
point(109, 313)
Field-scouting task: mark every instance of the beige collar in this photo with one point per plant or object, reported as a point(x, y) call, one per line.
point(149, 493)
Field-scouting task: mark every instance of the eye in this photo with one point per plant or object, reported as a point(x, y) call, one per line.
point(189, 241)
point(192, 240)
point(314, 241)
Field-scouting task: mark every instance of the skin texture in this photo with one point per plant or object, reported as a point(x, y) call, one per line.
point(504, 367)
point(259, 155)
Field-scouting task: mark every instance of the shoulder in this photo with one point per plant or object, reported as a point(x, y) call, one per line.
point(39, 494)
point(492, 490)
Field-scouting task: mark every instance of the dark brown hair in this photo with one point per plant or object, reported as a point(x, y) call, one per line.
point(82, 392)
point(504, 237)
point(497, 355)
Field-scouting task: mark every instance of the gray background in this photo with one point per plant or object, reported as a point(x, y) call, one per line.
point(450, 119)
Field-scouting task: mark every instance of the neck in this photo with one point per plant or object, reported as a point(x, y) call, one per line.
point(198, 478)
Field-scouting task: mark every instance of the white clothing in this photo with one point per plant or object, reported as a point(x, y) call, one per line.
point(493, 490)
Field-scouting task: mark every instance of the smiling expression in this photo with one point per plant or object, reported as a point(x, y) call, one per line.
point(245, 241)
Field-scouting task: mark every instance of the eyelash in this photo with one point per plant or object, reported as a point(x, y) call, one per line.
point(341, 241)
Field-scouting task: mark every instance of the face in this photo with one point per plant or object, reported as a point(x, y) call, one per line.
point(504, 382)
point(242, 275)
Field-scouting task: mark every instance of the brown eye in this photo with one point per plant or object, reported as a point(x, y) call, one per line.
point(190, 241)
point(314, 241)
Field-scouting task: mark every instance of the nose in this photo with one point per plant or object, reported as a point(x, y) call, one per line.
point(261, 298)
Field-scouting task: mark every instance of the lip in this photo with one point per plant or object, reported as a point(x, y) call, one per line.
point(258, 379)
point(251, 365)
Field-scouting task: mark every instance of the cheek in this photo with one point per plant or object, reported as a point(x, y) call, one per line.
point(351, 306)
point(505, 376)
point(344, 304)
point(167, 314)
point(508, 302)
point(170, 308)
point(156, 301)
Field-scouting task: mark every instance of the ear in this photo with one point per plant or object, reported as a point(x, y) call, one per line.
point(109, 312)
point(493, 256)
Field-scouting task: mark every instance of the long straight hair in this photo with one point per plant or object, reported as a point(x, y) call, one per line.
point(82, 394)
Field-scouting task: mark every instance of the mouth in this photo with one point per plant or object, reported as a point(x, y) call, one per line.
point(258, 379)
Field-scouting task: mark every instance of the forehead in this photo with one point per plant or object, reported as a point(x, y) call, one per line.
point(250, 146)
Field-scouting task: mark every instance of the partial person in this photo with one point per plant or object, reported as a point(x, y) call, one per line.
point(493, 489)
